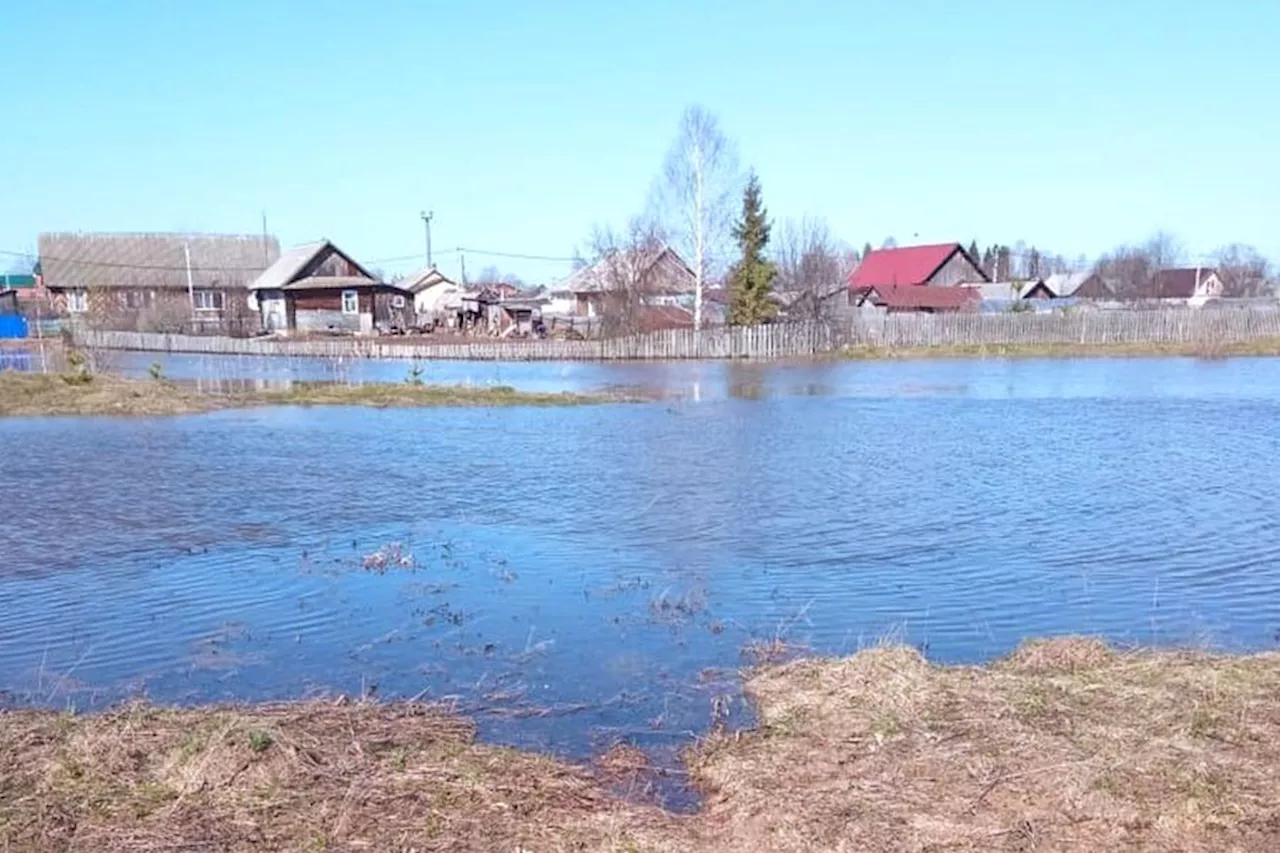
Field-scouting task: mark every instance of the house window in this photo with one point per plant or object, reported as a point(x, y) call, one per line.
point(397, 302)
point(77, 301)
point(350, 302)
point(208, 300)
point(133, 299)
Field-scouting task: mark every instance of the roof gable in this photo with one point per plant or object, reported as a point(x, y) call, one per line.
point(423, 279)
point(301, 262)
point(913, 265)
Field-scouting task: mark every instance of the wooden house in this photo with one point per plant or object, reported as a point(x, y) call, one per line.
point(654, 275)
point(317, 287)
point(1193, 285)
point(155, 282)
point(938, 265)
point(1079, 285)
point(917, 298)
point(435, 297)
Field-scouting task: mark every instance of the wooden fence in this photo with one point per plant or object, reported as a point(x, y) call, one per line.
point(761, 342)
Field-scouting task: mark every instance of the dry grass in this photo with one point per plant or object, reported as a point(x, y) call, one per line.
point(51, 394)
point(1261, 347)
point(297, 777)
point(102, 394)
point(1065, 745)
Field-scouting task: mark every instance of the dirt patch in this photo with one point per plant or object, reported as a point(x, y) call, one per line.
point(1065, 745)
point(103, 394)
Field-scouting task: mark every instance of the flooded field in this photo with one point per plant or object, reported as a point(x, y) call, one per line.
point(576, 576)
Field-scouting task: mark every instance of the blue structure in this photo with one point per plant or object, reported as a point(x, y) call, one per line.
point(13, 326)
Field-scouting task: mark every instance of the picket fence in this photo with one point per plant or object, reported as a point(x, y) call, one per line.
point(789, 340)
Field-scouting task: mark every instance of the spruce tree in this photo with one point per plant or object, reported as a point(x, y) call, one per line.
point(751, 280)
point(974, 254)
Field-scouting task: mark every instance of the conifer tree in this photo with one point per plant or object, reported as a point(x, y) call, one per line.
point(751, 280)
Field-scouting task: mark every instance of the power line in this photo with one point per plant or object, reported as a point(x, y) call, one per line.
point(516, 255)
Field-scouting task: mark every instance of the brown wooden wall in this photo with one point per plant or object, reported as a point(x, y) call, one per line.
point(956, 270)
point(329, 299)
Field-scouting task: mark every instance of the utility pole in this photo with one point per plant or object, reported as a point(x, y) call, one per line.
point(427, 216)
point(463, 256)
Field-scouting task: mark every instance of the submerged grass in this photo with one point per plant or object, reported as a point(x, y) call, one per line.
point(1065, 745)
point(1215, 349)
point(101, 394)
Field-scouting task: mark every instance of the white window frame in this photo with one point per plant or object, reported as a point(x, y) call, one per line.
point(354, 306)
point(77, 301)
point(208, 300)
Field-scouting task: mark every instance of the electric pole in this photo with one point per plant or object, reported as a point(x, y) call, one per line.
point(427, 216)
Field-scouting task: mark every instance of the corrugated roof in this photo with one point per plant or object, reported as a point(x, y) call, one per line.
point(905, 265)
point(922, 297)
point(153, 261)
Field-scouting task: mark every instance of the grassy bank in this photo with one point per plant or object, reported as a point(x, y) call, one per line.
point(99, 394)
point(1066, 745)
point(1265, 347)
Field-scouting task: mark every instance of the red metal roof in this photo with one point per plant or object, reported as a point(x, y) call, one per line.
point(907, 265)
point(922, 297)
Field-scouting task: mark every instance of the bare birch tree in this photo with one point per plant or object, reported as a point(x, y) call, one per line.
point(699, 186)
point(1243, 270)
point(812, 265)
point(623, 272)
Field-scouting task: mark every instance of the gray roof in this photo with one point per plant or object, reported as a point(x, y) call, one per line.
point(284, 273)
point(631, 266)
point(423, 279)
point(1066, 283)
point(154, 261)
point(289, 264)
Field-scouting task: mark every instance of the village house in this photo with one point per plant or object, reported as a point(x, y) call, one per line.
point(436, 297)
point(1079, 285)
point(940, 265)
point(155, 282)
point(499, 311)
point(1193, 285)
point(317, 287)
point(656, 276)
point(913, 298)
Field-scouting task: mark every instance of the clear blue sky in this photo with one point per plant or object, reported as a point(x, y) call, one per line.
point(1071, 125)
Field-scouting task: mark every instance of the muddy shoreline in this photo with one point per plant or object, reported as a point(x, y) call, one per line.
point(1066, 744)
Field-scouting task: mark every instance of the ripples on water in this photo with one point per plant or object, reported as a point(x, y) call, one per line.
point(584, 574)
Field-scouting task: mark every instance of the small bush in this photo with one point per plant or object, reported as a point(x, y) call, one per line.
point(259, 741)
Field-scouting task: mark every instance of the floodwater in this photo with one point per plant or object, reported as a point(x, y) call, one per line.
point(578, 575)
